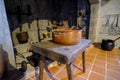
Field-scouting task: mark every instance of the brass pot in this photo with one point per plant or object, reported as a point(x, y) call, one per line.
point(66, 36)
point(46, 35)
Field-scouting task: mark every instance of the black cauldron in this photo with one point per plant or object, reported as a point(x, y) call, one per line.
point(107, 44)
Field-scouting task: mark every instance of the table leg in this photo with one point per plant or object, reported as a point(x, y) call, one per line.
point(69, 71)
point(83, 60)
point(41, 67)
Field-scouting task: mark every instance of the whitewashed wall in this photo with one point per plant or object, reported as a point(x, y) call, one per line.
point(94, 21)
point(5, 37)
point(110, 8)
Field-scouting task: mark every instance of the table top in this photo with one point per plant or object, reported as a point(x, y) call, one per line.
point(61, 53)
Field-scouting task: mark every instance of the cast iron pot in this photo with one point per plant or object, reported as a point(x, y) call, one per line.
point(108, 44)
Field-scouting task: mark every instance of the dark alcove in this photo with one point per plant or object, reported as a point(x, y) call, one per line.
point(19, 11)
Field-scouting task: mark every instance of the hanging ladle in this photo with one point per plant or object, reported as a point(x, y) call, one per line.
point(108, 44)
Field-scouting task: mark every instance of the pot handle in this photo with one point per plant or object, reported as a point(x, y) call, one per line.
point(117, 38)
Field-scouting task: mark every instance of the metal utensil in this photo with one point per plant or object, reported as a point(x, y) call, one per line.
point(117, 28)
point(111, 30)
point(106, 25)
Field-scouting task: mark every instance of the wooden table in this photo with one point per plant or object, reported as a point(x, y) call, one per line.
point(65, 54)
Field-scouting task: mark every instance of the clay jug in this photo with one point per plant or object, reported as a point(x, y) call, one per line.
point(22, 37)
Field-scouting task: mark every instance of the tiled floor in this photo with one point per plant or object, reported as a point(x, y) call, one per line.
point(100, 65)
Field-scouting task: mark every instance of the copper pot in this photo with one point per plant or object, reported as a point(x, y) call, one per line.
point(66, 36)
point(22, 37)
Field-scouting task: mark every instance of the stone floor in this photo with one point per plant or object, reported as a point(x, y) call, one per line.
point(100, 65)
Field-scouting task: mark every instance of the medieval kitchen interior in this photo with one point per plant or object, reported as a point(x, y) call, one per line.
point(25, 23)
